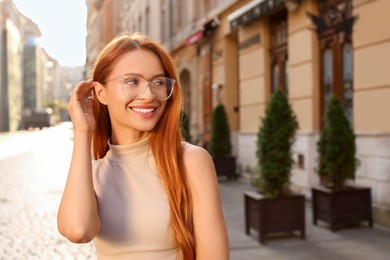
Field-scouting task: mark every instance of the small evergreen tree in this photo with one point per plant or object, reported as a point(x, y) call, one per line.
point(185, 126)
point(336, 147)
point(274, 146)
point(220, 143)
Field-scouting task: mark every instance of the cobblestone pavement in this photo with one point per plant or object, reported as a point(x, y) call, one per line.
point(33, 169)
point(359, 243)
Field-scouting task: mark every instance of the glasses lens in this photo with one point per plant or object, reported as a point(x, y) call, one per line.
point(163, 88)
point(134, 87)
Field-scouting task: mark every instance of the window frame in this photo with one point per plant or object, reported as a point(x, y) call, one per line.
point(278, 50)
point(333, 38)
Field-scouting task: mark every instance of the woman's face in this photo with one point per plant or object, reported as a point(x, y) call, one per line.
point(133, 118)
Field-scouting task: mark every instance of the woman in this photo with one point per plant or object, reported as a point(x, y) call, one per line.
point(148, 195)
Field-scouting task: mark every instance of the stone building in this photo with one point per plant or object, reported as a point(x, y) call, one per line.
point(239, 51)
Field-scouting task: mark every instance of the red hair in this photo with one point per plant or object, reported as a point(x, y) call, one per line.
point(165, 138)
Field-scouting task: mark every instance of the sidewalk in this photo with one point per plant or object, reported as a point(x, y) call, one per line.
point(320, 243)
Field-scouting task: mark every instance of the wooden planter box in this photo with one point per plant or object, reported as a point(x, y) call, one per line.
point(343, 207)
point(225, 166)
point(274, 216)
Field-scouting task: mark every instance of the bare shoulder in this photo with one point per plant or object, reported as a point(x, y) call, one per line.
point(191, 151)
point(198, 163)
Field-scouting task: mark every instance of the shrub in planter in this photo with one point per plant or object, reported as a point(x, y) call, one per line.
point(336, 147)
point(335, 202)
point(273, 208)
point(220, 146)
point(220, 143)
point(274, 147)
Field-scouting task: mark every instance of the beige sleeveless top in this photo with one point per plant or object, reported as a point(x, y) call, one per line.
point(133, 206)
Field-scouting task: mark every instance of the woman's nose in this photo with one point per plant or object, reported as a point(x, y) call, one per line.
point(147, 93)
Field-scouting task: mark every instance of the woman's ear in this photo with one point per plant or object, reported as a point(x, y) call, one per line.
point(100, 91)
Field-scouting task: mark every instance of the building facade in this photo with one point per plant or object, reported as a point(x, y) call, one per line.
point(31, 66)
point(312, 49)
point(238, 52)
point(28, 75)
point(11, 87)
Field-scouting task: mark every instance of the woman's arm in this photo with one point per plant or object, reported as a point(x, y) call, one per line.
point(210, 228)
point(78, 213)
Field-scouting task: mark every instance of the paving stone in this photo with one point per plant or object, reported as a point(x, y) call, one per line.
point(31, 184)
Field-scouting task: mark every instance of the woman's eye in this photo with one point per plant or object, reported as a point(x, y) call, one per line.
point(131, 81)
point(158, 82)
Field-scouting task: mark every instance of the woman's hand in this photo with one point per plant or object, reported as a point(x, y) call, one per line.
point(83, 121)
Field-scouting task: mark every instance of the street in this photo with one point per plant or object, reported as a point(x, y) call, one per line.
point(33, 169)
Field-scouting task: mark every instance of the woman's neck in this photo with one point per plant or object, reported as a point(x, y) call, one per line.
point(127, 137)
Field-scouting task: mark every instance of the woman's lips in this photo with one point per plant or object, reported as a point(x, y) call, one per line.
point(144, 112)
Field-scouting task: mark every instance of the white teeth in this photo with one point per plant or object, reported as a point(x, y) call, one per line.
point(143, 110)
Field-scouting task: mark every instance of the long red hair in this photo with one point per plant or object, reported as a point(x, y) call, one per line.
point(165, 138)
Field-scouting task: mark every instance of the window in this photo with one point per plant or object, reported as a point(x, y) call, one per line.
point(278, 51)
point(348, 80)
point(140, 23)
point(147, 20)
point(163, 21)
point(183, 13)
point(334, 28)
point(179, 14)
point(327, 57)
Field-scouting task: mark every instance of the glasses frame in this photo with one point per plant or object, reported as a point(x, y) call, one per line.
point(147, 83)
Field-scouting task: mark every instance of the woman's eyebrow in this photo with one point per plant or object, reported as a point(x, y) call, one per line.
point(142, 76)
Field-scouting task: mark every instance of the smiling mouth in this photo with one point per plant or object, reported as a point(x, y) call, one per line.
point(143, 110)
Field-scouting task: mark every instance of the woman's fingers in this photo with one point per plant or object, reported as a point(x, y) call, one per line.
point(83, 119)
point(81, 90)
point(89, 106)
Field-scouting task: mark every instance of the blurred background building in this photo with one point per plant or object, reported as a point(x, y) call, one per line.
point(238, 52)
point(30, 79)
point(12, 42)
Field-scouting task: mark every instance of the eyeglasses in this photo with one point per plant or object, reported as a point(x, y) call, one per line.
point(134, 86)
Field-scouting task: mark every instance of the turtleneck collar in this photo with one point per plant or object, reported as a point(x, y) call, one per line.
point(128, 152)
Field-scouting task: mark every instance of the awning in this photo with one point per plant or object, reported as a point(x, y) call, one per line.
point(207, 30)
point(194, 38)
point(252, 11)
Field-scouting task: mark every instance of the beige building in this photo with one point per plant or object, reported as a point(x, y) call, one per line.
point(238, 52)
point(336, 50)
point(101, 28)
point(108, 18)
point(279, 45)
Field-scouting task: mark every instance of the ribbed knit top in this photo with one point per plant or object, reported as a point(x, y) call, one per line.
point(133, 206)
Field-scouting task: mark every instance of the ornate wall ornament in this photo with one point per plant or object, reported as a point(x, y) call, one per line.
point(333, 19)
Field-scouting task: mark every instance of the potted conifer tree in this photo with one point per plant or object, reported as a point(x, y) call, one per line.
point(273, 208)
point(334, 201)
point(220, 146)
